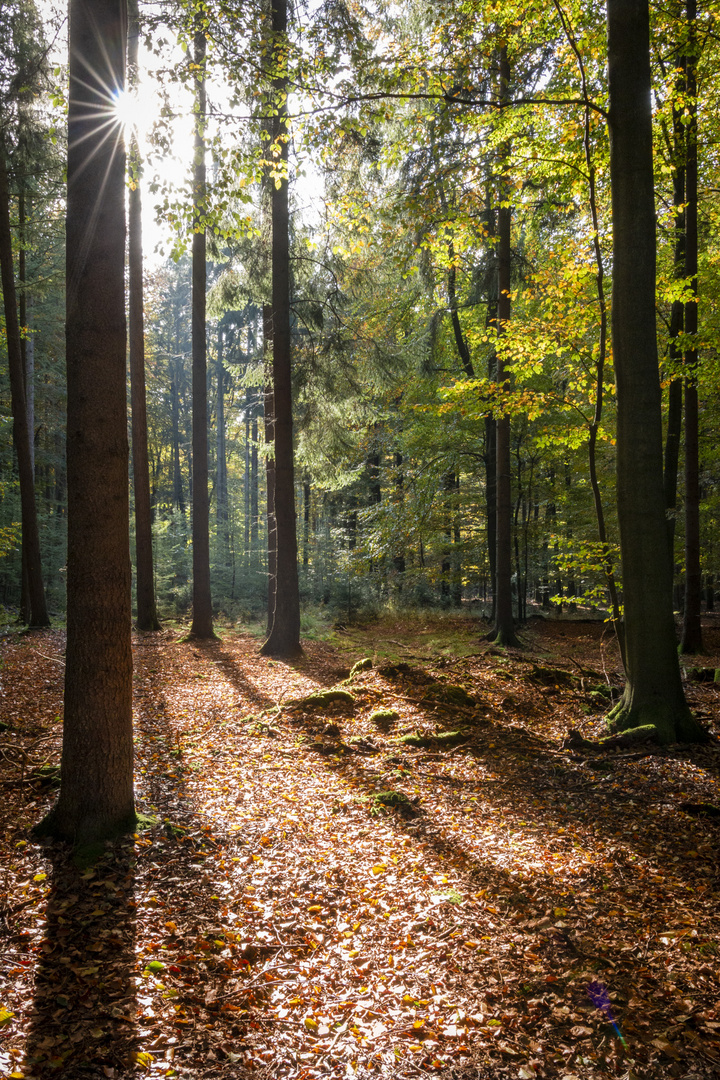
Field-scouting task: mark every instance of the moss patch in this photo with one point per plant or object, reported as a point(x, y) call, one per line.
point(384, 718)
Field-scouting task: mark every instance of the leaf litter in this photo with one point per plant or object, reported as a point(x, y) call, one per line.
point(317, 895)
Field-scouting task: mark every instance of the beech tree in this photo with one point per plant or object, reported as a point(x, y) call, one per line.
point(653, 691)
point(96, 793)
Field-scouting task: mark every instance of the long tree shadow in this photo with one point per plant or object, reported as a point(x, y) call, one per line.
point(83, 1016)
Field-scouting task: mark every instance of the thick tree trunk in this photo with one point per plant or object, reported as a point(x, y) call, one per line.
point(284, 637)
point(202, 626)
point(96, 792)
point(653, 690)
point(691, 640)
point(147, 618)
point(21, 435)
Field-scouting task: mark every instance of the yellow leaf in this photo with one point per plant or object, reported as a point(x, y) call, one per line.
point(39, 877)
point(310, 1024)
point(143, 1058)
point(379, 868)
point(315, 907)
point(5, 1016)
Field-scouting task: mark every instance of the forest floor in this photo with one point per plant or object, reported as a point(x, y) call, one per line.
point(319, 898)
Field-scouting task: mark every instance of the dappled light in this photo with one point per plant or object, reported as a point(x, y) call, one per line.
point(326, 887)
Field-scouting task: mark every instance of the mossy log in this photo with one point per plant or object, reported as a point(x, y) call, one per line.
point(361, 665)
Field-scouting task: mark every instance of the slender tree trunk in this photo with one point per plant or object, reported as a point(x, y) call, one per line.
point(246, 488)
point(177, 484)
point(306, 523)
point(202, 626)
point(691, 640)
point(96, 792)
point(457, 570)
point(399, 562)
point(653, 691)
point(674, 409)
point(270, 463)
point(221, 499)
point(21, 434)
point(26, 348)
point(284, 637)
point(147, 618)
point(254, 518)
point(504, 629)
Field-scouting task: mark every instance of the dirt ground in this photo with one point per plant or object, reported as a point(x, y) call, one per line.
point(441, 889)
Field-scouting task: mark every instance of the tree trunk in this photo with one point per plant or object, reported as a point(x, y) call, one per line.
point(177, 484)
point(147, 618)
point(691, 640)
point(221, 498)
point(653, 690)
point(504, 629)
point(284, 637)
point(96, 792)
point(270, 464)
point(27, 353)
point(674, 409)
point(21, 434)
point(202, 626)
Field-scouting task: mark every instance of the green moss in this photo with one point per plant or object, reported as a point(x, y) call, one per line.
point(441, 739)
point(361, 665)
point(450, 738)
point(322, 698)
point(415, 739)
point(384, 717)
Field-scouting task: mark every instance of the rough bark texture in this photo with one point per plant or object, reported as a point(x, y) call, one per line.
point(284, 637)
point(21, 433)
point(202, 626)
point(96, 793)
point(653, 690)
point(147, 618)
point(691, 640)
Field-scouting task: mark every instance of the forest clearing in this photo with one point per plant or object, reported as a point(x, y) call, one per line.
point(412, 879)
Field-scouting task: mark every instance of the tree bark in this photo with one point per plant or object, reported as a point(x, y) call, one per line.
point(96, 792)
point(202, 626)
point(691, 640)
point(269, 423)
point(21, 435)
point(284, 637)
point(147, 618)
point(653, 691)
